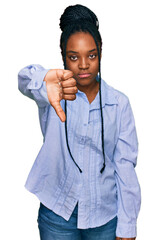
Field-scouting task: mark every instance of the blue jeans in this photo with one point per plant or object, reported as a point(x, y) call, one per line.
point(54, 227)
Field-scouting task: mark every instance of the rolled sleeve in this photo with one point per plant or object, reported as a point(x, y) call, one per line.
point(128, 188)
point(31, 84)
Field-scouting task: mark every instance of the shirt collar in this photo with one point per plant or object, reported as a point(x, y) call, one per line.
point(108, 96)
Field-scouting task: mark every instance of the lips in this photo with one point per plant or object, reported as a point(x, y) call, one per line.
point(84, 75)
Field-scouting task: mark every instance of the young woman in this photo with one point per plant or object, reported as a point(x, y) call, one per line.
point(84, 173)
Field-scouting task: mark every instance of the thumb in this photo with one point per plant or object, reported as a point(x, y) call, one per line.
point(59, 111)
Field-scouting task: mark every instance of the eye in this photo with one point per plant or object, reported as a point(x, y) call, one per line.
point(91, 56)
point(73, 58)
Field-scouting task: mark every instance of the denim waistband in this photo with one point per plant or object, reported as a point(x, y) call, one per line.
point(43, 208)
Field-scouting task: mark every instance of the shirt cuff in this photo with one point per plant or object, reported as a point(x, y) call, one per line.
point(38, 87)
point(126, 230)
point(37, 79)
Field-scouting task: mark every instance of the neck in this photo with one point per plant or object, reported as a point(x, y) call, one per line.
point(90, 90)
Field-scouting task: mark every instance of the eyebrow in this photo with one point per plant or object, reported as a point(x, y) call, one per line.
point(94, 49)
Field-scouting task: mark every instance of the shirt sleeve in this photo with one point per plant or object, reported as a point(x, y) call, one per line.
point(31, 84)
point(128, 188)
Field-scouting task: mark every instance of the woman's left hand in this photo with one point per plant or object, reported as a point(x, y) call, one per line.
point(118, 238)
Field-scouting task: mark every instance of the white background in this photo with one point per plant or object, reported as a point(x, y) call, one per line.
point(30, 34)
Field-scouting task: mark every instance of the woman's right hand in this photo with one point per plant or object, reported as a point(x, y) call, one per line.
point(60, 84)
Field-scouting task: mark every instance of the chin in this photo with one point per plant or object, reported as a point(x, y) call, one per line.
point(83, 82)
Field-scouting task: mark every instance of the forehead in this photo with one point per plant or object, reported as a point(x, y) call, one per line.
point(81, 40)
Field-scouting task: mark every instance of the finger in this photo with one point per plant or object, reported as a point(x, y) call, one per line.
point(127, 238)
point(59, 111)
point(66, 75)
point(70, 90)
point(70, 97)
point(71, 82)
point(117, 238)
point(59, 74)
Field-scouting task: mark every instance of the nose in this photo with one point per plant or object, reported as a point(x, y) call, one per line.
point(83, 63)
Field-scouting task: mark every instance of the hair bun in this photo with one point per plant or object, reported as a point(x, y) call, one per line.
point(76, 14)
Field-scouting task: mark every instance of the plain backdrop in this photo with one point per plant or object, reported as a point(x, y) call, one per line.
point(130, 63)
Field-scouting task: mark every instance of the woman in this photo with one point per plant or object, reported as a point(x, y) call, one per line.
point(84, 173)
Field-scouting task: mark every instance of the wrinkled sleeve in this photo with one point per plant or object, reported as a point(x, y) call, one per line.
point(128, 188)
point(31, 84)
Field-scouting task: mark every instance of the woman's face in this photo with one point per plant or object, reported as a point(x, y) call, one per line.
point(82, 58)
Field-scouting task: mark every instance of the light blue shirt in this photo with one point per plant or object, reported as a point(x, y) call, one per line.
point(54, 177)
